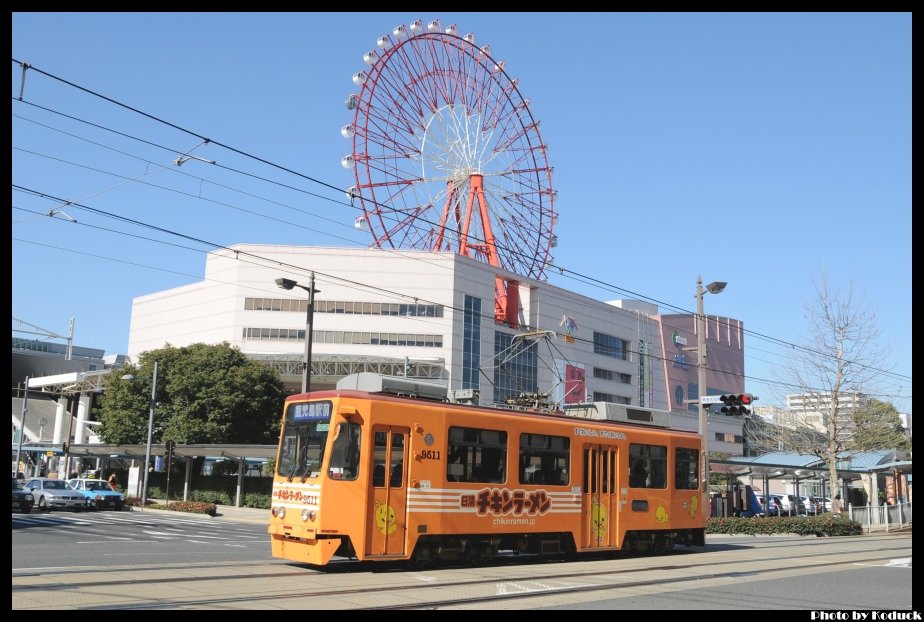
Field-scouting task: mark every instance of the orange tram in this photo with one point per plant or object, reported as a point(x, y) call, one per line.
point(384, 468)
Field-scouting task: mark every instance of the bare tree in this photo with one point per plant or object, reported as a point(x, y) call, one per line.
point(839, 359)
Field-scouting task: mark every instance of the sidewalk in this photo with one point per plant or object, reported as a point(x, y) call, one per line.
point(252, 516)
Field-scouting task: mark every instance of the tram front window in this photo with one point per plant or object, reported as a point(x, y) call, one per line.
point(304, 439)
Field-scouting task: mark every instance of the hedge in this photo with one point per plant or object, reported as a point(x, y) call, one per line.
point(822, 525)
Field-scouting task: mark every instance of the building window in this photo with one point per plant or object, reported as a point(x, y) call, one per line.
point(347, 337)
point(600, 396)
point(607, 345)
point(615, 376)
point(693, 392)
point(344, 307)
point(517, 373)
point(471, 342)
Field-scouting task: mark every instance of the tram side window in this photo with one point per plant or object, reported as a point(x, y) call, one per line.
point(344, 460)
point(686, 468)
point(544, 459)
point(380, 463)
point(647, 466)
point(379, 458)
point(477, 455)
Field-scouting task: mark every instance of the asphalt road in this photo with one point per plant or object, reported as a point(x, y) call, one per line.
point(68, 539)
point(165, 560)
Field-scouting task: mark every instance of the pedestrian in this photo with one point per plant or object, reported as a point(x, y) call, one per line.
point(837, 507)
point(113, 481)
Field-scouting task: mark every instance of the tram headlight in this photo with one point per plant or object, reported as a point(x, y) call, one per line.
point(281, 513)
point(305, 514)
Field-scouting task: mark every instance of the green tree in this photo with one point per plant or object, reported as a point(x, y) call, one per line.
point(205, 394)
point(877, 426)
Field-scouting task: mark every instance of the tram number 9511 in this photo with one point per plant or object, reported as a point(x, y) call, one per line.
point(429, 454)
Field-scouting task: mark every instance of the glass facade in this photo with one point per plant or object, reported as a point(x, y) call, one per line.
point(515, 368)
point(471, 342)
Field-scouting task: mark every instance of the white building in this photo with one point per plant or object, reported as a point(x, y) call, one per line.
point(376, 309)
point(812, 409)
point(905, 418)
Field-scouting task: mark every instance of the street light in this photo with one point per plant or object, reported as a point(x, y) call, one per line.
point(147, 454)
point(715, 287)
point(284, 283)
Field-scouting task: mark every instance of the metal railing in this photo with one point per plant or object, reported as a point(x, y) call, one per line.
point(886, 517)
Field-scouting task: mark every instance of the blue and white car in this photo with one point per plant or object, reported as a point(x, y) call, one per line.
point(99, 494)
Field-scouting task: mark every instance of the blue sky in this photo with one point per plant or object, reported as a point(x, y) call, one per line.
point(757, 149)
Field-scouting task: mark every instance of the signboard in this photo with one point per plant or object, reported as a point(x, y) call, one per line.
point(710, 399)
point(134, 482)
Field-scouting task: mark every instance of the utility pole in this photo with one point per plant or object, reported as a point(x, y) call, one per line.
point(22, 427)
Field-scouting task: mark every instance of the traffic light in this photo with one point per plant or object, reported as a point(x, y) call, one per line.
point(170, 446)
point(737, 404)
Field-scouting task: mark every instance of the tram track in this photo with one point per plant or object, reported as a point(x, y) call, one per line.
point(434, 588)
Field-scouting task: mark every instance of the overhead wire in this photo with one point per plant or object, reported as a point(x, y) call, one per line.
point(580, 277)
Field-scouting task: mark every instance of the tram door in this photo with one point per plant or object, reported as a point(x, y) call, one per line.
point(599, 497)
point(387, 512)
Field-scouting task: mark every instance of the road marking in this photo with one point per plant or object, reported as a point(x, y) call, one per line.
point(901, 562)
point(520, 587)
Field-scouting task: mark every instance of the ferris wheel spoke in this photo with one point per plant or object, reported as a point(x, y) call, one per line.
point(385, 108)
point(443, 48)
point(395, 82)
point(415, 66)
point(391, 126)
point(494, 103)
point(396, 104)
point(402, 228)
point(385, 128)
point(432, 62)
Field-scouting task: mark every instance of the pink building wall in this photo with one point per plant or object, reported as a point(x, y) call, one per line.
point(724, 357)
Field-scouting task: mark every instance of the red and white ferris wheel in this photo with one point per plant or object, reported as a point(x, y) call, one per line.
point(446, 153)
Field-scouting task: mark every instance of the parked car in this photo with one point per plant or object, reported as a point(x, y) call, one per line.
point(55, 493)
point(100, 494)
point(22, 498)
point(774, 510)
point(824, 503)
point(810, 506)
point(791, 504)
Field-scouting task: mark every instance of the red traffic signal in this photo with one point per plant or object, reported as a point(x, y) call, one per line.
point(737, 404)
